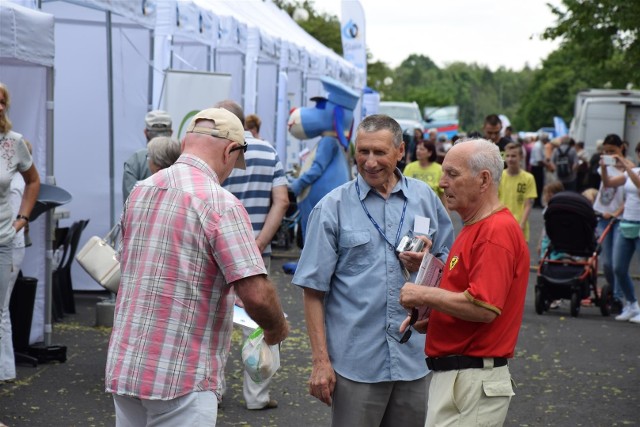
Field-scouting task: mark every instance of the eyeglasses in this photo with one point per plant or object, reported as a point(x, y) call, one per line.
point(240, 147)
point(407, 334)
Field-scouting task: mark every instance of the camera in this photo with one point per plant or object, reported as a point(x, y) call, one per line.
point(412, 244)
point(609, 160)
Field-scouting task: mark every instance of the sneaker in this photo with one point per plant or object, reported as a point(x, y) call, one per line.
point(556, 304)
point(635, 319)
point(629, 311)
point(271, 404)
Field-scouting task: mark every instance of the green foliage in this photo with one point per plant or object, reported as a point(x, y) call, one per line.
point(600, 48)
point(322, 26)
point(475, 89)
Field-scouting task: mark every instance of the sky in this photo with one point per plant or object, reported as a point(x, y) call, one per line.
point(489, 32)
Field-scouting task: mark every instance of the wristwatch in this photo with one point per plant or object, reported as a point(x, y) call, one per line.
point(22, 217)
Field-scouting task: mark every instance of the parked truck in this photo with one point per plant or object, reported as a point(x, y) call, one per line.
point(599, 112)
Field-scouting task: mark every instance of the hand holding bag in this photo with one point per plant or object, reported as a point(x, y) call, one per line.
point(98, 258)
point(260, 360)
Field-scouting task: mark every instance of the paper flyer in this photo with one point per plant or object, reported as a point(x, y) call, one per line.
point(241, 318)
point(429, 274)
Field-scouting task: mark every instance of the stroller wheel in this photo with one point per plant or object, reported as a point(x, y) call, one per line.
point(539, 303)
point(605, 300)
point(575, 304)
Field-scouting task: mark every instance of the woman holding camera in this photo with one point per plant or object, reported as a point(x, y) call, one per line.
point(610, 204)
point(627, 239)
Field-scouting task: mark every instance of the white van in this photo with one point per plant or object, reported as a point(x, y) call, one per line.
point(407, 114)
point(599, 112)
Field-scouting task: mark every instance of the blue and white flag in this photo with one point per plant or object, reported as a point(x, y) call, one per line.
point(353, 34)
point(560, 125)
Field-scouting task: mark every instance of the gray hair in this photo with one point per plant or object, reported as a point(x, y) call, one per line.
point(158, 133)
point(485, 156)
point(163, 151)
point(378, 122)
point(232, 107)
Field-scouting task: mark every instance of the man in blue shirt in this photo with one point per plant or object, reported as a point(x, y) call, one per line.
point(370, 373)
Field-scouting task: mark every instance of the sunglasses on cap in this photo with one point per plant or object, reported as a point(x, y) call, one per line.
point(240, 147)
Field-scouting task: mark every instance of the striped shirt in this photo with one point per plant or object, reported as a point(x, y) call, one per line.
point(253, 185)
point(184, 240)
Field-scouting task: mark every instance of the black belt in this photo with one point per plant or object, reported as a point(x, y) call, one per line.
point(456, 363)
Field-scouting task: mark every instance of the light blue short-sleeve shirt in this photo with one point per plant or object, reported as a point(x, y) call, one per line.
point(346, 257)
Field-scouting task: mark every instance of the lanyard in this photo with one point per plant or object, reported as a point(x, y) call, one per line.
point(375, 224)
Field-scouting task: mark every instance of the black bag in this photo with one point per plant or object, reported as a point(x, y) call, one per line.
point(563, 163)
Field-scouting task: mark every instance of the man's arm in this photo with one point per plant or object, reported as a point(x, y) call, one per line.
point(456, 304)
point(279, 205)
point(323, 378)
point(263, 305)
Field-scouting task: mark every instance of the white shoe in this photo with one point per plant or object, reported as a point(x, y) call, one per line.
point(635, 319)
point(629, 311)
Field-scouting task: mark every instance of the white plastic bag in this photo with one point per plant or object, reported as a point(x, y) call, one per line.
point(260, 360)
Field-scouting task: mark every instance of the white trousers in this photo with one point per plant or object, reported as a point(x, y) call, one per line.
point(197, 409)
point(7, 359)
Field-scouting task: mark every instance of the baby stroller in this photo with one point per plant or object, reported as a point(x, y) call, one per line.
point(569, 267)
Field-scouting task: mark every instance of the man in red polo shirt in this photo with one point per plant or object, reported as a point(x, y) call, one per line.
point(477, 311)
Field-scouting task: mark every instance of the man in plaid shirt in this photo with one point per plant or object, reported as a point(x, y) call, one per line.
point(186, 245)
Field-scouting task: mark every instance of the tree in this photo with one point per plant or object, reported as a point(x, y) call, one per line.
point(475, 89)
point(322, 26)
point(600, 48)
point(606, 30)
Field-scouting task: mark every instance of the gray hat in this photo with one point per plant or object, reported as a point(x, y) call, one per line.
point(157, 120)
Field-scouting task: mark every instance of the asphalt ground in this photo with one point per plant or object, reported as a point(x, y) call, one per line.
point(582, 371)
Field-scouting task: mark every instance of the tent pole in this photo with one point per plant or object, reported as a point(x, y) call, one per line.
point(49, 223)
point(112, 195)
point(152, 57)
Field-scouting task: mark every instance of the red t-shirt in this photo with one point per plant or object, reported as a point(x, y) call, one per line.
point(489, 261)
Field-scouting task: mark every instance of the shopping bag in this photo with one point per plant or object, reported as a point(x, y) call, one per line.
point(98, 258)
point(260, 360)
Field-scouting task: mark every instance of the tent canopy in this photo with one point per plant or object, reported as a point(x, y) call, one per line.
point(17, 26)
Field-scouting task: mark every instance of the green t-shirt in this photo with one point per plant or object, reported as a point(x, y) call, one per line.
point(429, 175)
point(513, 192)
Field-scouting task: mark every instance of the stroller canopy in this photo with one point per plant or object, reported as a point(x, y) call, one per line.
point(570, 223)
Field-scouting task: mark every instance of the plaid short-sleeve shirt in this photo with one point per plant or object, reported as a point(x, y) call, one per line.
point(184, 240)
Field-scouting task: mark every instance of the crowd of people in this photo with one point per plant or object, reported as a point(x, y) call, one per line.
point(537, 167)
point(198, 219)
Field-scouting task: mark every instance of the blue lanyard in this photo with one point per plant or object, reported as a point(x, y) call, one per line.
point(375, 224)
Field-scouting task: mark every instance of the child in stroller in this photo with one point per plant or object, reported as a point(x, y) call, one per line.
point(569, 266)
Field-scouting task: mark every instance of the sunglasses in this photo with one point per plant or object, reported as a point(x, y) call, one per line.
point(239, 147)
point(407, 334)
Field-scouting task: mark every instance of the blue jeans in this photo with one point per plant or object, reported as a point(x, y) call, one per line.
point(623, 250)
point(606, 255)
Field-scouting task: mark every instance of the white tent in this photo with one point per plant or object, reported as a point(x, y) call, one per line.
point(103, 91)
point(26, 62)
point(111, 57)
point(282, 68)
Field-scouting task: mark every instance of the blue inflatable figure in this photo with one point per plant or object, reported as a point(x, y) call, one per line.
point(326, 166)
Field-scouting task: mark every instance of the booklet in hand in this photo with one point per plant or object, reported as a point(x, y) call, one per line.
point(429, 274)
